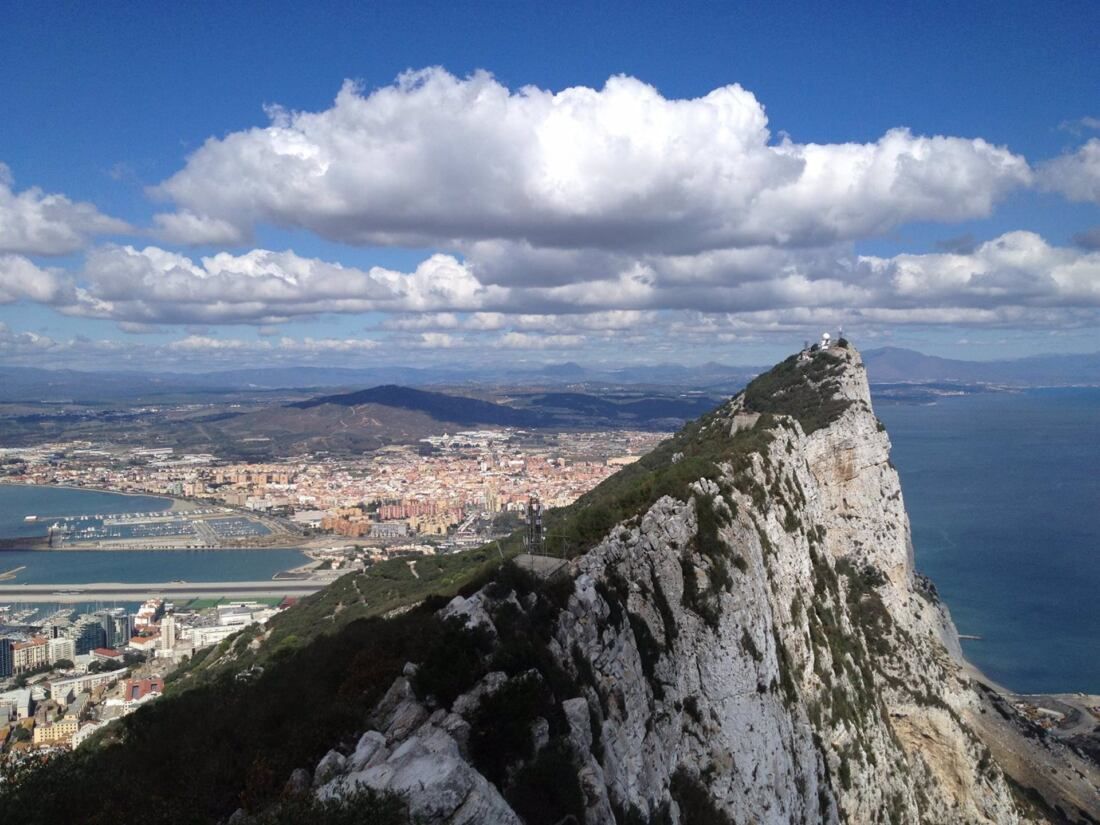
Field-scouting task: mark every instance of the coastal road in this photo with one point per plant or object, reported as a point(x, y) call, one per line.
point(138, 591)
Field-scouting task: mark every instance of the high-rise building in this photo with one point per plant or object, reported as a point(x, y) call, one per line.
point(88, 634)
point(58, 649)
point(108, 624)
point(168, 632)
point(116, 626)
point(6, 666)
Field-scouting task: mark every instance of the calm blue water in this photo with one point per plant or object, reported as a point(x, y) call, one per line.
point(18, 500)
point(1003, 492)
point(147, 565)
point(118, 566)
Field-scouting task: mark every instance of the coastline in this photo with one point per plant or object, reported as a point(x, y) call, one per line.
point(177, 505)
point(277, 537)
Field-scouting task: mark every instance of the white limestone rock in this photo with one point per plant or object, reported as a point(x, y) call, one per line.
point(819, 685)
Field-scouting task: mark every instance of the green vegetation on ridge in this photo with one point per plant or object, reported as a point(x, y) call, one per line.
point(244, 715)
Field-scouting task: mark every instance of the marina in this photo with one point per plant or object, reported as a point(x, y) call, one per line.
point(172, 528)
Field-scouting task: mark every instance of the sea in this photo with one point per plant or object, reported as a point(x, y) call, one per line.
point(79, 567)
point(1003, 494)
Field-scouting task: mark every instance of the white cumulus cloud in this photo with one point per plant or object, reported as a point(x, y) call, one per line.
point(1076, 175)
point(261, 287)
point(33, 222)
point(22, 279)
point(434, 159)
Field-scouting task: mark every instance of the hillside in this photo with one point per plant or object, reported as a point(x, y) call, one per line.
point(371, 418)
point(738, 635)
point(454, 409)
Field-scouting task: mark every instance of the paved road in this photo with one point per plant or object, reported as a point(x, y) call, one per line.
point(136, 591)
point(1078, 719)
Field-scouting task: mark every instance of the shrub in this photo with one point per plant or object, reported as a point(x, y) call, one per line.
point(500, 731)
point(804, 390)
point(357, 807)
point(248, 737)
point(547, 791)
point(453, 662)
point(695, 802)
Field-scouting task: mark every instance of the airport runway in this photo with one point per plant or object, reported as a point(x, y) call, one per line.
point(139, 591)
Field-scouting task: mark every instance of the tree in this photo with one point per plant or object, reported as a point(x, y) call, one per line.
point(64, 664)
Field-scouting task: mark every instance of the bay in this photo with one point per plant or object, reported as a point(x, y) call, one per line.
point(79, 567)
point(1003, 493)
point(20, 500)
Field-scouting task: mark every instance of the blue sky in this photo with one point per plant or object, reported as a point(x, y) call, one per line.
point(99, 107)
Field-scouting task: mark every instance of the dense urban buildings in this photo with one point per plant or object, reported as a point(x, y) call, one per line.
point(427, 489)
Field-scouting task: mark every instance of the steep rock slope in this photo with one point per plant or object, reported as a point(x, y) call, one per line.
point(755, 647)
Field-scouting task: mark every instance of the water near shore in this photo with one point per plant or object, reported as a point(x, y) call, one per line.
point(45, 567)
point(17, 501)
point(20, 500)
point(1003, 492)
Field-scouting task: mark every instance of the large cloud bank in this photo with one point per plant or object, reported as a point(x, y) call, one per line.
point(550, 220)
point(1018, 271)
point(435, 159)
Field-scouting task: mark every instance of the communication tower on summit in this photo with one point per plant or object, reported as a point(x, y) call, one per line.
point(533, 539)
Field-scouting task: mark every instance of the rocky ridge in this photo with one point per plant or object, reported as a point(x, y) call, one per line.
point(754, 648)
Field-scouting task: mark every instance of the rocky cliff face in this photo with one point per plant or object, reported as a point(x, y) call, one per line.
point(754, 648)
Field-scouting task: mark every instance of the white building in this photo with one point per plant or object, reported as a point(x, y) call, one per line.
point(86, 681)
point(61, 649)
point(16, 703)
point(206, 636)
point(85, 731)
point(168, 632)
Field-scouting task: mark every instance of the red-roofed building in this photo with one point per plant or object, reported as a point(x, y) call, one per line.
point(137, 689)
point(145, 643)
point(29, 655)
point(107, 654)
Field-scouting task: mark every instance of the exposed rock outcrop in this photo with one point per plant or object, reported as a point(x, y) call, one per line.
point(756, 648)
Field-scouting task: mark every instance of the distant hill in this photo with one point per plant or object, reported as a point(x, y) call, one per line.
point(440, 406)
point(390, 414)
point(894, 364)
point(647, 409)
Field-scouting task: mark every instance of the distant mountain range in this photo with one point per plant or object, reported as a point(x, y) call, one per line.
point(893, 364)
point(32, 384)
point(886, 365)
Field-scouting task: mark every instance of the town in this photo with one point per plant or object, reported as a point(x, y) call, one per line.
point(437, 488)
point(68, 671)
point(65, 676)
